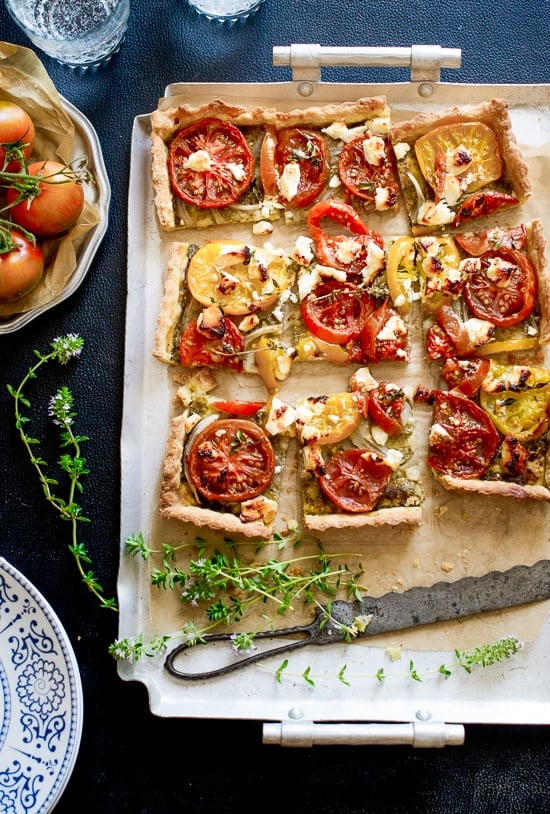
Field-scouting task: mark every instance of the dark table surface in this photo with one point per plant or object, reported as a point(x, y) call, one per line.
point(129, 760)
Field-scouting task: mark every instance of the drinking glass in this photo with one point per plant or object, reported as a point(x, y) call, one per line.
point(226, 11)
point(83, 34)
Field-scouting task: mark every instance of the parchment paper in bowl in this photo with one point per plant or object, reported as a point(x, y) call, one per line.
point(24, 80)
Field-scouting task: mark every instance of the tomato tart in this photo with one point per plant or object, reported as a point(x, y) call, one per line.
point(480, 293)
point(359, 463)
point(225, 306)
point(489, 432)
point(459, 165)
point(224, 459)
point(221, 163)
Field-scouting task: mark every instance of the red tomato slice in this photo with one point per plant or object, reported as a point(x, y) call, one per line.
point(370, 348)
point(210, 164)
point(506, 237)
point(354, 479)
point(328, 246)
point(480, 204)
point(231, 460)
point(336, 312)
point(463, 440)
point(505, 294)
point(196, 349)
point(465, 375)
point(387, 403)
point(242, 408)
point(361, 177)
point(295, 145)
point(447, 336)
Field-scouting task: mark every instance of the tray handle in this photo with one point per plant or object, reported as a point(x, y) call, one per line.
point(425, 61)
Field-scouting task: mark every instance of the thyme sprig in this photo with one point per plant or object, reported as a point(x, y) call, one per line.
point(468, 660)
point(227, 587)
point(62, 411)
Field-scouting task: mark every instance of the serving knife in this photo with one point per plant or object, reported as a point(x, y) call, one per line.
point(441, 602)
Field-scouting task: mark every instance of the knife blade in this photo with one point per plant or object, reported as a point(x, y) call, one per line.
point(441, 602)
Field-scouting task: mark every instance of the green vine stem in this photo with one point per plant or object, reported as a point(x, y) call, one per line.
point(72, 463)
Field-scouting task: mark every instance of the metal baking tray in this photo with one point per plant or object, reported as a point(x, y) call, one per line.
point(431, 712)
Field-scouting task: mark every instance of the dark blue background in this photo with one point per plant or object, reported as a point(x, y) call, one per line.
point(131, 762)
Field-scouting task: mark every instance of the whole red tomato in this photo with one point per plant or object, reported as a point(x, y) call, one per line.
point(21, 268)
point(15, 126)
point(57, 205)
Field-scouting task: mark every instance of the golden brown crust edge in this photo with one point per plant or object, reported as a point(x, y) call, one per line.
point(537, 252)
point(493, 488)
point(394, 516)
point(171, 307)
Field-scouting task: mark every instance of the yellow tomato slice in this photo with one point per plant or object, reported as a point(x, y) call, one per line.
point(402, 272)
point(327, 419)
point(439, 260)
point(240, 279)
point(478, 141)
point(517, 398)
point(508, 346)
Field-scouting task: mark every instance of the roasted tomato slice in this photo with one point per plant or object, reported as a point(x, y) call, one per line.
point(501, 237)
point(384, 336)
point(353, 253)
point(294, 165)
point(336, 312)
point(238, 407)
point(354, 479)
point(387, 407)
point(210, 164)
point(502, 289)
point(481, 204)
point(469, 149)
point(365, 166)
point(327, 419)
point(465, 375)
point(212, 341)
point(231, 460)
point(463, 440)
point(447, 336)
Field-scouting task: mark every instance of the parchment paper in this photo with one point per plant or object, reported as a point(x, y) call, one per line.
point(24, 80)
point(461, 535)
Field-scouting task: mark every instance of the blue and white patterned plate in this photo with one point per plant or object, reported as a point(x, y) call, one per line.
point(41, 708)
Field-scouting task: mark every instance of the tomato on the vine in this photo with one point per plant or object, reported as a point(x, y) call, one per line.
point(17, 135)
point(387, 407)
point(463, 440)
point(231, 460)
point(503, 289)
point(336, 312)
point(57, 204)
point(294, 165)
point(349, 252)
point(210, 163)
point(21, 267)
point(362, 174)
point(354, 479)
